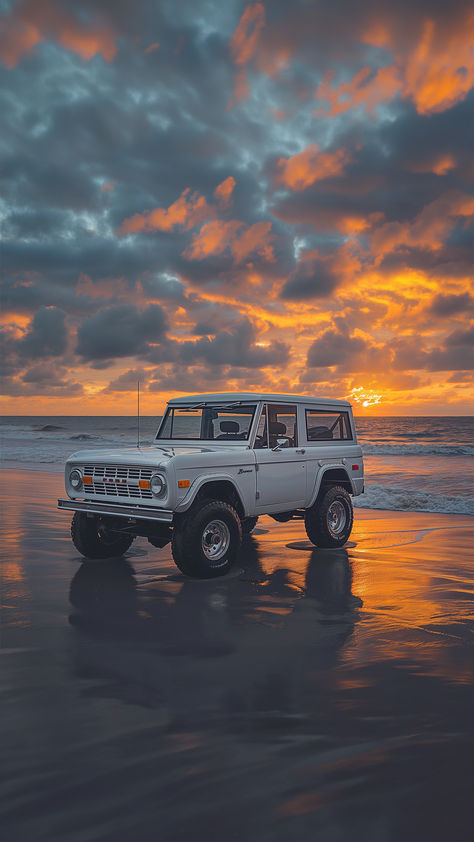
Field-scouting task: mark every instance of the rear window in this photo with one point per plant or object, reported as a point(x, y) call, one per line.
point(324, 425)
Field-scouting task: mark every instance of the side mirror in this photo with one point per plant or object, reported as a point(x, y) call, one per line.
point(281, 443)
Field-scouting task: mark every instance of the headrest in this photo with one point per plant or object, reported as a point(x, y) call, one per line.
point(229, 426)
point(276, 428)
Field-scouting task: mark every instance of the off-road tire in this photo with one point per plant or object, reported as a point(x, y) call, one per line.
point(328, 522)
point(192, 531)
point(248, 524)
point(90, 538)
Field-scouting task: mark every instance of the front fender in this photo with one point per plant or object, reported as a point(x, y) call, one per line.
point(245, 490)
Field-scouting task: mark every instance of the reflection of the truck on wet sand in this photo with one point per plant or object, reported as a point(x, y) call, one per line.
point(275, 633)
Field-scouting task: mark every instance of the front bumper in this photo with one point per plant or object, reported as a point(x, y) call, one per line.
point(124, 510)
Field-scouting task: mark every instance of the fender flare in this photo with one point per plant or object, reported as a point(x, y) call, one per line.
point(196, 486)
point(323, 470)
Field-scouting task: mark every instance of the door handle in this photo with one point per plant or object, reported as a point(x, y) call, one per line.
point(301, 451)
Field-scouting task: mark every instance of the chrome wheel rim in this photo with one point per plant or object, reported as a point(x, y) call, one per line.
point(215, 540)
point(336, 518)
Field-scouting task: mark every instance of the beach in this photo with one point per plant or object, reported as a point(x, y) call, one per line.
point(310, 694)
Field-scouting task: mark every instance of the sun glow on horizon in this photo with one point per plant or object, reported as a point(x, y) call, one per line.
point(364, 397)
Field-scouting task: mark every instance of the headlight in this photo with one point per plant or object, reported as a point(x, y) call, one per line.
point(75, 478)
point(158, 485)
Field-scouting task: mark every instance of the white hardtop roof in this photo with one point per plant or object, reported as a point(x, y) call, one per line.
point(231, 397)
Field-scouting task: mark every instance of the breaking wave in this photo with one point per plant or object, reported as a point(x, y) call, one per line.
point(370, 449)
point(413, 500)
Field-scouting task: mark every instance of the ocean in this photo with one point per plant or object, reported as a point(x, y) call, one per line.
point(411, 464)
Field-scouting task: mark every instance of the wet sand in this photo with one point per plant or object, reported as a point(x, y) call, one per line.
point(309, 695)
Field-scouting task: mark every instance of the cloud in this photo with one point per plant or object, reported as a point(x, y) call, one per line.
point(429, 228)
point(335, 347)
point(47, 334)
point(436, 72)
point(186, 212)
point(368, 88)
point(310, 165)
point(454, 353)
point(223, 191)
point(241, 240)
point(454, 304)
point(237, 347)
point(440, 70)
point(120, 332)
point(34, 21)
point(312, 278)
point(243, 44)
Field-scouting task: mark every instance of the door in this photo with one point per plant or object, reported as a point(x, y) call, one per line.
point(281, 467)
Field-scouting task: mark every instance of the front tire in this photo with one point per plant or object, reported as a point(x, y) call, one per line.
point(92, 539)
point(328, 522)
point(206, 540)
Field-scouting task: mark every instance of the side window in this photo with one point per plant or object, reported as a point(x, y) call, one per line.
point(324, 425)
point(282, 424)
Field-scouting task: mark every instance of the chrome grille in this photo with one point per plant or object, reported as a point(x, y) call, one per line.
point(117, 481)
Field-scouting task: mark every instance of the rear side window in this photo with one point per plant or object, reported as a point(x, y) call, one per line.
point(324, 425)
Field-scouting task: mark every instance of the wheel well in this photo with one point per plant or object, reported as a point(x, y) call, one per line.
point(335, 476)
point(221, 490)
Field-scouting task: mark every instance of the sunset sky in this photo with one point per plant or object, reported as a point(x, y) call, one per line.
point(212, 196)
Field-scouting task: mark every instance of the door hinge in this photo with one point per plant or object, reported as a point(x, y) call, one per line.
point(257, 467)
point(257, 495)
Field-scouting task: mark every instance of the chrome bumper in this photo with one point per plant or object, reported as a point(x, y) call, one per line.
point(117, 510)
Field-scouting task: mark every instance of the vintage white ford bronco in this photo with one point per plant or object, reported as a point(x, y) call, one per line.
point(217, 463)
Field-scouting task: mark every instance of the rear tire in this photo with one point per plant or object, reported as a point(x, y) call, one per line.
point(206, 540)
point(92, 539)
point(248, 524)
point(328, 522)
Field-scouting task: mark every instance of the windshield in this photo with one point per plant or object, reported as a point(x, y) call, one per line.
point(208, 423)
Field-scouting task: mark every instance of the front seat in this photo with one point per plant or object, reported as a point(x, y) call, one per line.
point(229, 430)
point(277, 431)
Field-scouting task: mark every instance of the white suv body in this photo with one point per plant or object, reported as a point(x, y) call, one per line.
point(257, 453)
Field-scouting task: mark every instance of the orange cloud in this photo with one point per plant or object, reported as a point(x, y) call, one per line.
point(242, 240)
point(245, 38)
point(440, 71)
point(303, 169)
point(436, 74)
point(34, 21)
point(151, 48)
point(186, 212)
point(428, 230)
point(362, 89)
point(223, 191)
point(243, 45)
point(440, 165)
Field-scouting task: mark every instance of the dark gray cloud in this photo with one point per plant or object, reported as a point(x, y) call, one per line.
point(446, 306)
point(334, 347)
point(455, 353)
point(311, 279)
point(236, 347)
point(47, 335)
point(120, 332)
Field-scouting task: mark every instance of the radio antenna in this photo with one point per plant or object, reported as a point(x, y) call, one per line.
point(138, 413)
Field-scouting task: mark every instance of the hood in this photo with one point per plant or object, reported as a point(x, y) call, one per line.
point(154, 455)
